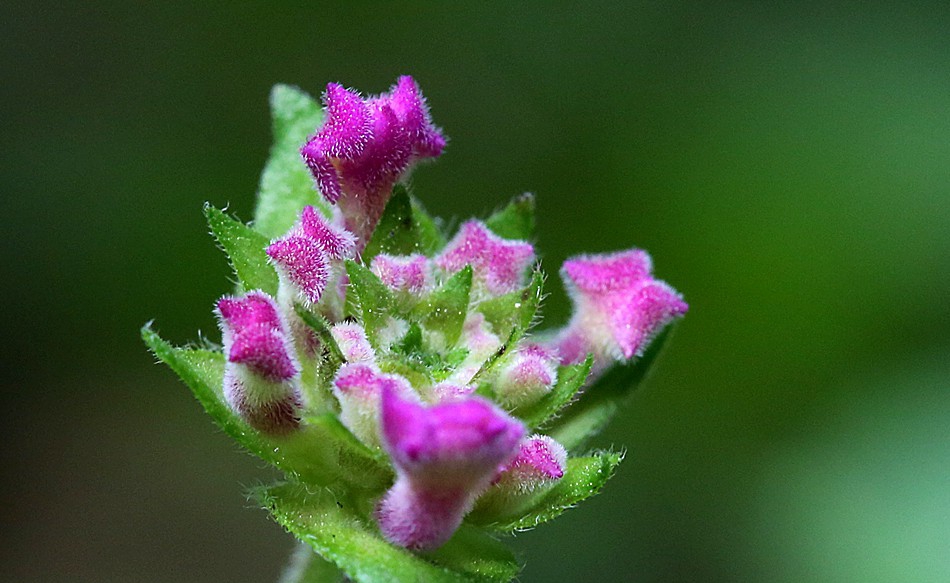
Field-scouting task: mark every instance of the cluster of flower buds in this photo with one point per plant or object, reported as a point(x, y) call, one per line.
point(424, 356)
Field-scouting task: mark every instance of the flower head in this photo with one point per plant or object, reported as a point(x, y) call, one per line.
point(499, 264)
point(261, 371)
point(366, 145)
point(444, 455)
point(618, 307)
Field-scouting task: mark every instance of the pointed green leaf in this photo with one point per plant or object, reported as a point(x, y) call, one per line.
point(584, 477)
point(368, 299)
point(445, 309)
point(431, 238)
point(309, 454)
point(245, 249)
point(286, 186)
point(404, 229)
point(515, 221)
point(333, 528)
point(570, 378)
point(599, 402)
point(321, 327)
point(516, 309)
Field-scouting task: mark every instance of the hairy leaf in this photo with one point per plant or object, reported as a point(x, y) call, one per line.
point(585, 476)
point(368, 299)
point(310, 454)
point(599, 402)
point(515, 221)
point(245, 249)
point(446, 308)
point(570, 379)
point(286, 185)
point(336, 531)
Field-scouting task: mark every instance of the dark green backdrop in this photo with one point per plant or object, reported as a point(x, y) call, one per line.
point(787, 165)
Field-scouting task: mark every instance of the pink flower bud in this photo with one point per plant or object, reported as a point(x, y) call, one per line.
point(499, 264)
point(261, 373)
point(358, 388)
point(309, 256)
point(366, 145)
point(618, 307)
point(408, 275)
point(526, 376)
point(540, 463)
point(444, 455)
point(351, 338)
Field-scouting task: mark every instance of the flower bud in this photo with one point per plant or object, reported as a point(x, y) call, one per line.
point(618, 307)
point(365, 145)
point(539, 466)
point(358, 388)
point(351, 338)
point(499, 265)
point(261, 373)
point(526, 376)
point(444, 455)
point(407, 275)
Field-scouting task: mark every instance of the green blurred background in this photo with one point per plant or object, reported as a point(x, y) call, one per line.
point(787, 165)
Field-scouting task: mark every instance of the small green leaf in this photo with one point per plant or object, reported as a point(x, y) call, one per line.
point(368, 299)
point(599, 402)
point(570, 378)
point(245, 249)
point(445, 309)
point(286, 185)
point(431, 239)
point(515, 221)
point(516, 309)
point(335, 530)
point(584, 477)
point(321, 327)
point(308, 454)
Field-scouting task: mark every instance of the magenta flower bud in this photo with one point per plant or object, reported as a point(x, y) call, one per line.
point(366, 145)
point(444, 455)
point(540, 463)
point(351, 338)
point(443, 392)
point(358, 388)
point(618, 307)
point(408, 274)
point(499, 264)
point(308, 257)
point(526, 376)
point(261, 373)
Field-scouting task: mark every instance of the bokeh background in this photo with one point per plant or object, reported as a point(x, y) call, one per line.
point(787, 165)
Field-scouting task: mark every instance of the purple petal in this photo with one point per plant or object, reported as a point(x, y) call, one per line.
point(499, 264)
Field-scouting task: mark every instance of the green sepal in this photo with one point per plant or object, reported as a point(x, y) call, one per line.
point(286, 185)
point(245, 249)
point(431, 237)
point(515, 221)
point(336, 530)
point(368, 300)
point(570, 379)
point(515, 310)
point(583, 477)
point(308, 454)
point(588, 416)
point(445, 309)
point(403, 229)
